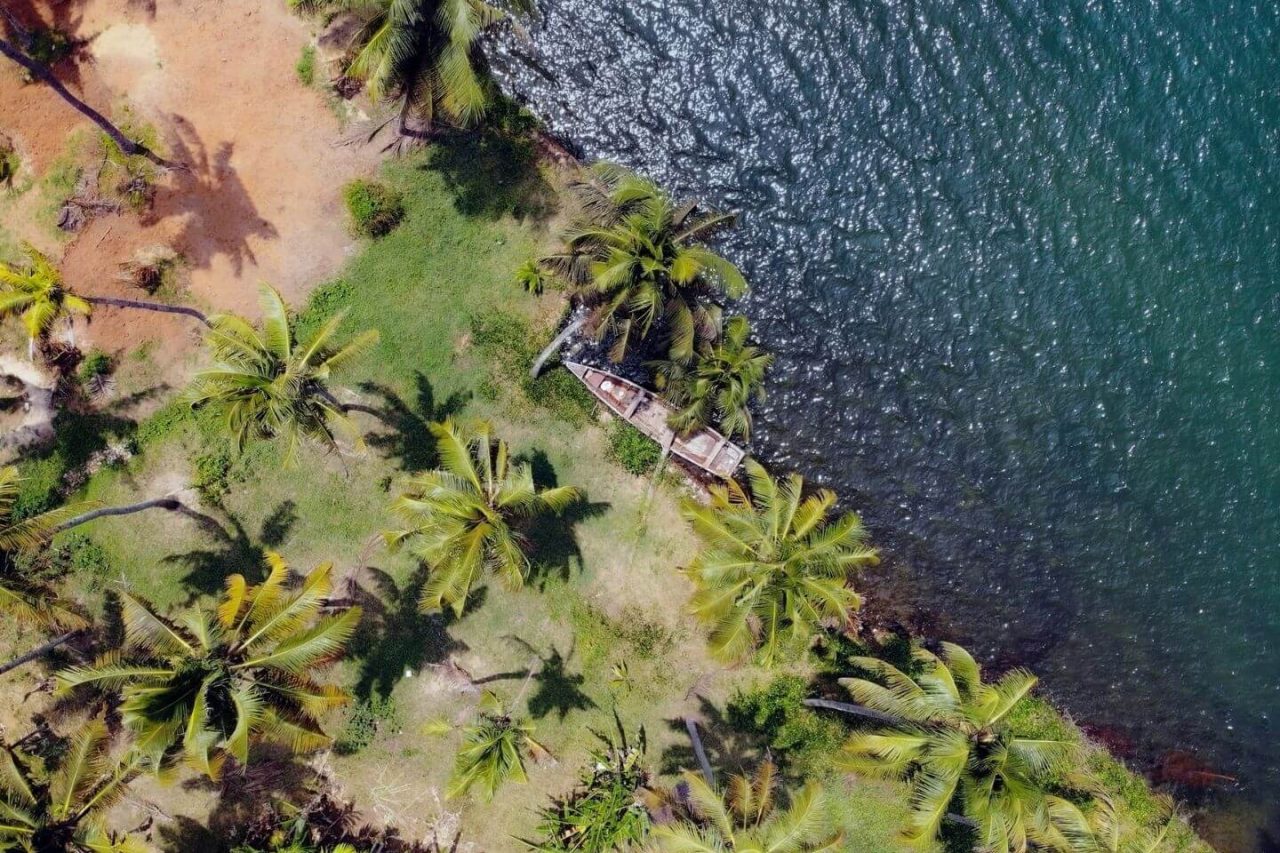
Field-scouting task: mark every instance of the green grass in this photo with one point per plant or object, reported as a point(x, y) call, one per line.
point(305, 67)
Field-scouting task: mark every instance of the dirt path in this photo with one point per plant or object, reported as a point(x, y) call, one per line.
point(261, 200)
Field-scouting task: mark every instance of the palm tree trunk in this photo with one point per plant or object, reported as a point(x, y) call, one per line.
point(37, 652)
point(555, 345)
point(41, 71)
point(698, 751)
point(852, 710)
point(149, 306)
point(169, 503)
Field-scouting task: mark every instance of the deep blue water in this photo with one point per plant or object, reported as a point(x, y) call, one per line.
point(1018, 261)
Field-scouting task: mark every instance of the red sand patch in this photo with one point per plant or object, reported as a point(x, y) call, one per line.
point(261, 200)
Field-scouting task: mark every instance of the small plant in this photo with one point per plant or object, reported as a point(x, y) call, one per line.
point(9, 163)
point(632, 449)
point(777, 712)
point(48, 45)
point(95, 374)
point(306, 65)
point(605, 812)
point(364, 721)
point(493, 750)
point(151, 269)
point(375, 209)
point(531, 277)
point(213, 474)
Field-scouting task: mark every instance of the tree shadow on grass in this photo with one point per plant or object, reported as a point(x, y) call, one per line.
point(235, 552)
point(410, 440)
point(245, 795)
point(558, 689)
point(728, 750)
point(493, 174)
point(553, 540)
point(394, 635)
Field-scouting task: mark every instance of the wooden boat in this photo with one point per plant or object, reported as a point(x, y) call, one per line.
point(643, 409)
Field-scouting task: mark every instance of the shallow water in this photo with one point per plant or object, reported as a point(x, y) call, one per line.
point(1018, 263)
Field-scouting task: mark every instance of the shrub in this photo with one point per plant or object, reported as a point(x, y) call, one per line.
point(531, 277)
point(74, 555)
point(49, 45)
point(306, 65)
point(96, 364)
point(364, 720)
point(213, 474)
point(632, 449)
point(603, 813)
point(9, 164)
point(375, 208)
point(777, 712)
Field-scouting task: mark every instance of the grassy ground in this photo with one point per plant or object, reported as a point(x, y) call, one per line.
point(457, 334)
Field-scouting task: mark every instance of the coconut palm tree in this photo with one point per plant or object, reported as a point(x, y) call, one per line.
point(38, 296)
point(465, 516)
point(746, 819)
point(635, 256)
point(720, 384)
point(24, 595)
point(424, 54)
point(214, 682)
point(772, 566)
point(493, 750)
point(268, 385)
point(17, 50)
point(62, 810)
point(951, 739)
point(1101, 827)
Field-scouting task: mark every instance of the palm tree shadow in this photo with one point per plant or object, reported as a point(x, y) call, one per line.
point(554, 551)
point(493, 174)
point(208, 190)
point(235, 552)
point(728, 749)
point(558, 689)
point(394, 635)
point(244, 796)
point(64, 18)
point(410, 439)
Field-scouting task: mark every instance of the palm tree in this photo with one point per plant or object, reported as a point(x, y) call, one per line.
point(38, 296)
point(746, 819)
point(493, 750)
point(27, 597)
point(18, 51)
point(267, 384)
point(423, 53)
point(951, 739)
point(466, 515)
point(634, 255)
point(62, 811)
point(1102, 827)
point(719, 386)
point(215, 682)
point(772, 566)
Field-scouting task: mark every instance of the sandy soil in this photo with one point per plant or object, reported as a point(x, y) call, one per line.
point(260, 198)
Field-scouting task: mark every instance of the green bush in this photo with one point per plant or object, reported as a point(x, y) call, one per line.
point(364, 720)
point(632, 449)
point(531, 277)
point(306, 65)
point(96, 364)
point(9, 164)
point(74, 555)
point(375, 208)
point(603, 813)
point(806, 739)
point(49, 45)
point(213, 474)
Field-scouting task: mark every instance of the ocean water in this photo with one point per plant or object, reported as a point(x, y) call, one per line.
point(1019, 262)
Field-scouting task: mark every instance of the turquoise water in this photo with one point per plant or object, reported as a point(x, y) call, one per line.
point(1018, 261)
